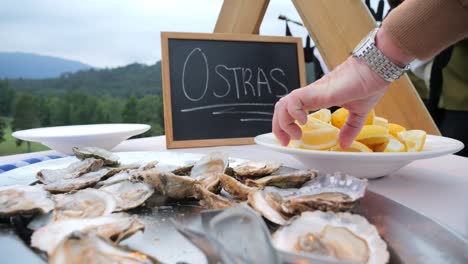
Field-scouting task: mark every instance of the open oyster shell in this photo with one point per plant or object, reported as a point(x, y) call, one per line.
point(80, 182)
point(236, 189)
point(256, 168)
point(90, 248)
point(206, 170)
point(209, 199)
point(109, 158)
point(335, 192)
point(344, 236)
point(293, 179)
point(83, 204)
point(269, 206)
point(114, 226)
point(129, 194)
point(167, 183)
point(20, 199)
point(73, 170)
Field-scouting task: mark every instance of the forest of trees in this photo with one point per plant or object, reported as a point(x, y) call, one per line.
point(130, 94)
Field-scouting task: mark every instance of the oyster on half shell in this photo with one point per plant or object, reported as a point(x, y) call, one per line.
point(85, 203)
point(109, 158)
point(256, 168)
point(236, 189)
point(167, 183)
point(344, 236)
point(206, 170)
point(293, 179)
point(326, 192)
point(89, 248)
point(129, 194)
point(80, 182)
point(20, 199)
point(114, 226)
point(211, 200)
point(73, 170)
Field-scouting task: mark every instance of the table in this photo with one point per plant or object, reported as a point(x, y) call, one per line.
point(437, 187)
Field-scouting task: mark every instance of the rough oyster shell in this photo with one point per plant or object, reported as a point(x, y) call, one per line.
point(126, 173)
point(109, 158)
point(293, 179)
point(73, 170)
point(268, 205)
point(80, 182)
point(343, 235)
point(236, 189)
point(83, 204)
point(114, 226)
point(167, 183)
point(213, 163)
point(210, 200)
point(20, 199)
point(90, 248)
point(184, 170)
point(256, 168)
point(129, 194)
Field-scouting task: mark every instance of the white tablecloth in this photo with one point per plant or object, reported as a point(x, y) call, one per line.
point(437, 188)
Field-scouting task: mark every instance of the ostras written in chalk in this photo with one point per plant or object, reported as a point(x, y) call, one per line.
point(239, 81)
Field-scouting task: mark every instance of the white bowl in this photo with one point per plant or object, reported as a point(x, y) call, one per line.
point(64, 138)
point(363, 164)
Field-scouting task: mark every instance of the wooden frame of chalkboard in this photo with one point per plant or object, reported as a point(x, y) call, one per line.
point(224, 40)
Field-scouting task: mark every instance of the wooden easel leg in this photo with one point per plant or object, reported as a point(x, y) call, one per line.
point(336, 27)
point(241, 16)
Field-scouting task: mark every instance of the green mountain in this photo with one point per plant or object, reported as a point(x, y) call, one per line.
point(33, 66)
point(134, 79)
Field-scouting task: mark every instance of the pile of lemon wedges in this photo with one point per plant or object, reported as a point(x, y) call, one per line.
point(321, 132)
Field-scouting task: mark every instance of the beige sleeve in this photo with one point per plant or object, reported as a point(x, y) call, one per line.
point(425, 27)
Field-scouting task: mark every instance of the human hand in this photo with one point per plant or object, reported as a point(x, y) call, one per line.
point(352, 85)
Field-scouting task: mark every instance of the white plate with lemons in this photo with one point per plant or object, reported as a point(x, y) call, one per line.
point(380, 149)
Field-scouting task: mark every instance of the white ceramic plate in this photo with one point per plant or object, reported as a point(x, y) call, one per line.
point(64, 138)
point(362, 164)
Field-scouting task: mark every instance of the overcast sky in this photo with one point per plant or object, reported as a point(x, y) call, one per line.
point(110, 33)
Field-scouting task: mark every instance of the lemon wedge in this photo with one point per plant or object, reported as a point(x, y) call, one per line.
point(355, 147)
point(380, 121)
point(394, 129)
point(413, 139)
point(338, 118)
point(373, 135)
point(394, 145)
point(318, 135)
point(322, 114)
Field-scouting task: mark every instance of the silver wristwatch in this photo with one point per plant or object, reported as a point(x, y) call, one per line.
point(377, 61)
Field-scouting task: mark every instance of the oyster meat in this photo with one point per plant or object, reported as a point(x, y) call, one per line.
point(344, 236)
point(129, 194)
point(183, 171)
point(293, 179)
point(236, 189)
point(167, 183)
point(73, 170)
point(114, 226)
point(83, 204)
point(89, 248)
point(80, 182)
point(20, 199)
point(211, 200)
point(327, 192)
point(109, 158)
point(256, 168)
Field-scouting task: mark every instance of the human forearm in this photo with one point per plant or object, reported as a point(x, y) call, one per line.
point(422, 28)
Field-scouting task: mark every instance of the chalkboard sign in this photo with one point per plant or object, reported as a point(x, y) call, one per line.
point(220, 89)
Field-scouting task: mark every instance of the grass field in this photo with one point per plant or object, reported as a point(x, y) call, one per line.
point(8, 147)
